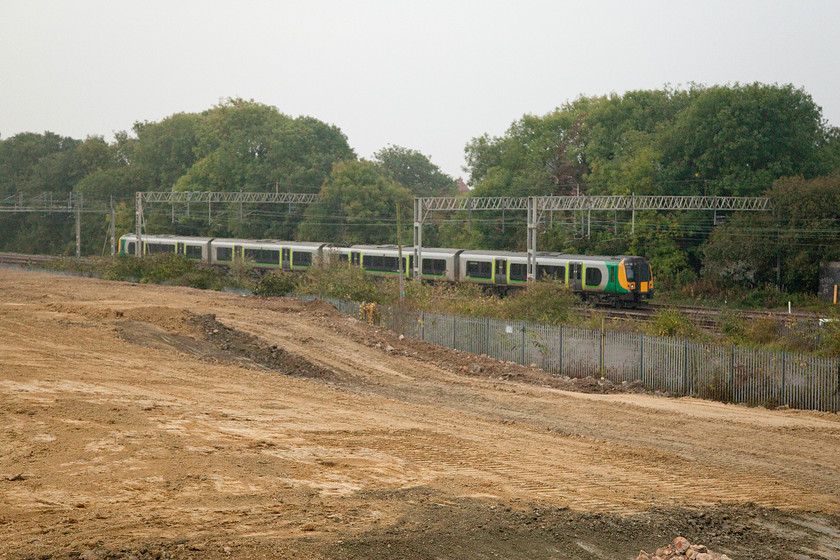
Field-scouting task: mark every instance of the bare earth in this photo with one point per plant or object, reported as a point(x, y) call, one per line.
point(143, 421)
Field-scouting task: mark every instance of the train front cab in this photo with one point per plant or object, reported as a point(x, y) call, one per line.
point(635, 279)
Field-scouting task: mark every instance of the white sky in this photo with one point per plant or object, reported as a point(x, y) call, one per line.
point(427, 75)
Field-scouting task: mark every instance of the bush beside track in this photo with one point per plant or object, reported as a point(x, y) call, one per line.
point(544, 302)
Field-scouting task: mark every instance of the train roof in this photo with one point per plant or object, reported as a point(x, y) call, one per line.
point(546, 255)
point(237, 241)
point(405, 249)
point(169, 237)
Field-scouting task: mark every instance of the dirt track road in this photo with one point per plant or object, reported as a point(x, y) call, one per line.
point(134, 424)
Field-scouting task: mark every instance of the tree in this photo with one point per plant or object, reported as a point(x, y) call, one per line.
point(736, 140)
point(358, 206)
point(244, 145)
point(33, 163)
point(802, 232)
point(414, 171)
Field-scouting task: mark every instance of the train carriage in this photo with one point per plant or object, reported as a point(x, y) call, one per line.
point(195, 248)
point(266, 253)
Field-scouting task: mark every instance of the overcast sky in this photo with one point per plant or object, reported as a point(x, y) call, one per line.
point(426, 75)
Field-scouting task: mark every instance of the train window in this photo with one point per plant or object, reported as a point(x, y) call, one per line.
point(342, 257)
point(479, 269)
point(224, 254)
point(631, 276)
point(434, 267)
point(593, 277)
point(644, 272)
point(550, 272)
point(380, 264)
point(518, 272)
point(263, 256)
point(130, 247)
point(193, 251)
point(301, 258)
point(154, 248)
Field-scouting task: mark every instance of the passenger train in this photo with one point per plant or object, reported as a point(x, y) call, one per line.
point(617, 280)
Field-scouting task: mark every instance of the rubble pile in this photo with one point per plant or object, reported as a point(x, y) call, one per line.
point(681, 548)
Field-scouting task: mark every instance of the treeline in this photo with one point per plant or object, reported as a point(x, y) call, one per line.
point(237, 145)
point(735, 140)
point(742, 140)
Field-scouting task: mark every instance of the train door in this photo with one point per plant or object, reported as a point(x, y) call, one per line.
point(576, 276)
point(500, 271)
point(180, 248)
point(355, 258)
point(286, 258)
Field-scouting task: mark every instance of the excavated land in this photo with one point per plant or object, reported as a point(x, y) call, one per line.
point(141, 421)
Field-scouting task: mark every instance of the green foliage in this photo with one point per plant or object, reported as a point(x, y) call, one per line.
point(766, 297)
point(339, 280)
point(671, 322)
point(241, 274)
point(542, 302)
point(460, 299)
point(738, 139)
point(359, 205)
point(247, 145)
point(414, 171)
point(801, 233)
point(165, 268)
point(829, 343)
point(276, 283)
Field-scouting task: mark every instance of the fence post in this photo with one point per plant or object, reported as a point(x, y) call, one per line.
point(784, 360)
point(422, 325)
point(560, 353)
point(454, 332)
point(522, 350)
point(487, 336)
point(641, 356)
point(601, 349)
point(732, 372)
point(685, 367)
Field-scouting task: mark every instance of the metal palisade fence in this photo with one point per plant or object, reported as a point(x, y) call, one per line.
point(679, 366)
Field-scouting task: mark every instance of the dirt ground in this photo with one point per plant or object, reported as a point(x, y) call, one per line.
point(143, 421)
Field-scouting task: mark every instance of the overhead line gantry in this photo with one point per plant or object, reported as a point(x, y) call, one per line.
point(538, 206)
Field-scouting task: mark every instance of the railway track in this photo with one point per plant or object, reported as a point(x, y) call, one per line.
point(16, 259)
point(705, 317)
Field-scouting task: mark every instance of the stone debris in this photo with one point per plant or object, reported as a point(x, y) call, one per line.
point(681, 548)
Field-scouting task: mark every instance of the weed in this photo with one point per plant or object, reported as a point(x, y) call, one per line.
point(276, 283)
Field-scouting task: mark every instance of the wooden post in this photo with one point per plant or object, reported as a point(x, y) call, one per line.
point(113, 228)
point(78, 230)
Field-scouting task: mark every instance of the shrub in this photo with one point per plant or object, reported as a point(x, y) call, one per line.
point(543, 301)
point(830, 336)
point(339, 280)
point(126, 268)
point(169, 268)
point(671, 322)
point(241, 274)
point(761, 330)
point(276, 283)
point(767, 297)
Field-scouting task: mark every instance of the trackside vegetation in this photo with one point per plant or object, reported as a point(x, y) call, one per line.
point(541, 302)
